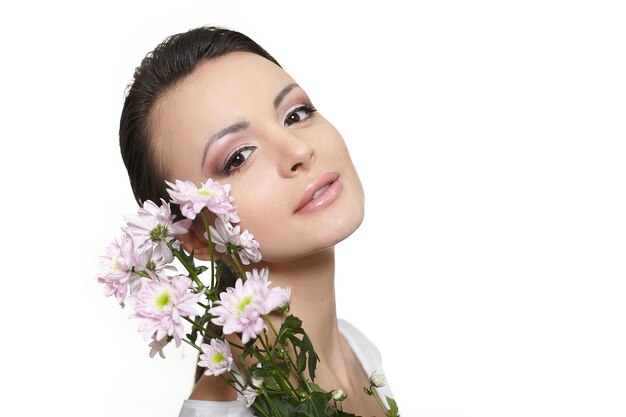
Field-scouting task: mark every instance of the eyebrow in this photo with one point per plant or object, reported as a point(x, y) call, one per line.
point(236, 127)
point(279, 98)
point(239, 126)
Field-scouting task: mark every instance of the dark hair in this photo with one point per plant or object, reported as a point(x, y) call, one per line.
point(170, 62)
point(162, 69)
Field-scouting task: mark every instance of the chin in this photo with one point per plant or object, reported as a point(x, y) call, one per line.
point(341, 227)
point(334, 231)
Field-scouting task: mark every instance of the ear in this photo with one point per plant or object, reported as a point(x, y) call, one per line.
point(194, 240)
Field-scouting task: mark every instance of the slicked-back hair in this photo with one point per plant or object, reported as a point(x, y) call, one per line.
point(167, 65)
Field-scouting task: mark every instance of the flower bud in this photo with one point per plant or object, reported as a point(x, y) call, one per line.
point(377, 379)
point(339, 395)
point(256, 382)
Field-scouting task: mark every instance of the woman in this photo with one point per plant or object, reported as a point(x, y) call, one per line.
point(211, 103)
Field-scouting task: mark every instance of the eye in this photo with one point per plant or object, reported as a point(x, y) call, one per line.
point(238, 159)
point(299, 115)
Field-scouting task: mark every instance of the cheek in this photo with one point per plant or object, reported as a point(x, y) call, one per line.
point(266, 215)
point(340, 156)
point(333, 148)
point(259, 208)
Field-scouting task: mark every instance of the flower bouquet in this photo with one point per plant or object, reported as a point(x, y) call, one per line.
point(137, 267)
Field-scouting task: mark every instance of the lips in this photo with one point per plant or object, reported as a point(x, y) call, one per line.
point(316, 188)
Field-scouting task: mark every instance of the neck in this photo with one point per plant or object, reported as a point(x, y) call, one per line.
point(312, 282)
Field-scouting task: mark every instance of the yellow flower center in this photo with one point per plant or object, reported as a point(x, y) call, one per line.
point(217, 358)
point(204, 192)
point(115, 266)
point(162, 300)
point(243, 303)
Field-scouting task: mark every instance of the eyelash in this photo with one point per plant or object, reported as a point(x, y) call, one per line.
point(227, 171)
point(310, 110)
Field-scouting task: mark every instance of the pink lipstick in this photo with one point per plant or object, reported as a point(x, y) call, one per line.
point(320, 193)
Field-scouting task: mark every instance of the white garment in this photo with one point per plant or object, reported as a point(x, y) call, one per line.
point(365, 351)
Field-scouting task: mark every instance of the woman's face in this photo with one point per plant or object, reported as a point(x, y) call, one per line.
point(241, 120)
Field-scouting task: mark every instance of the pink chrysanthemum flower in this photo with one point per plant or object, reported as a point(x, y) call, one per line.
point(116, 267)
point(162, 304)
point(228, 239)
point(216, 357)
point(211, 195)
point(262, 275)
point(152, 264)
point(249, 248)
point(240, 309)
point(155, 226)
point(279, 296)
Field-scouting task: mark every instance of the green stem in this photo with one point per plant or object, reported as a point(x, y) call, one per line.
point(282, 380)
point(209, 333)
point(218, 276)
point(229, 382)
point(295, 370)
point(141, 273)
point(291, 362)
point(192, 272)
point(189, 342)
point(208, 233)
point(315, 410)
point(293, 365)
point(271, 404)
point(239, 267)
point(208, 293)
point(268, 321)
point(257, 409)
point(374, 394)
point(239, 389)
point(199, 327)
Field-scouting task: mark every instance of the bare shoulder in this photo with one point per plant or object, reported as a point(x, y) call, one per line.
point(359, 339)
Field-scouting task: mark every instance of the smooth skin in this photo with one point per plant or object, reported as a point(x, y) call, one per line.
point(269, 164)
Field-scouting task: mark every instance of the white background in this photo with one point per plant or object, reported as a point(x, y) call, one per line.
point(490, 139)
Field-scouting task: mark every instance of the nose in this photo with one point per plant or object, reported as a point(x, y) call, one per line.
point(295, 153)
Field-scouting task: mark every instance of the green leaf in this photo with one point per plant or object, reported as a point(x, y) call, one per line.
point(280, 402)
point(317, 388)
point(393, 407)
point(291, 327)
point(317, 404)
point(307, 348)
point(262, 372)
point(204, 319)
point(284, 368)
point(344, 414)
point(301, 362)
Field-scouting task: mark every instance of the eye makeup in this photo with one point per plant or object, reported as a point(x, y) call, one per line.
point(234, 161)
point(237, 160)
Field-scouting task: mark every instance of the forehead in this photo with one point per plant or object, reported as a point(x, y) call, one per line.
point(227, 82)
point(233, 87)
